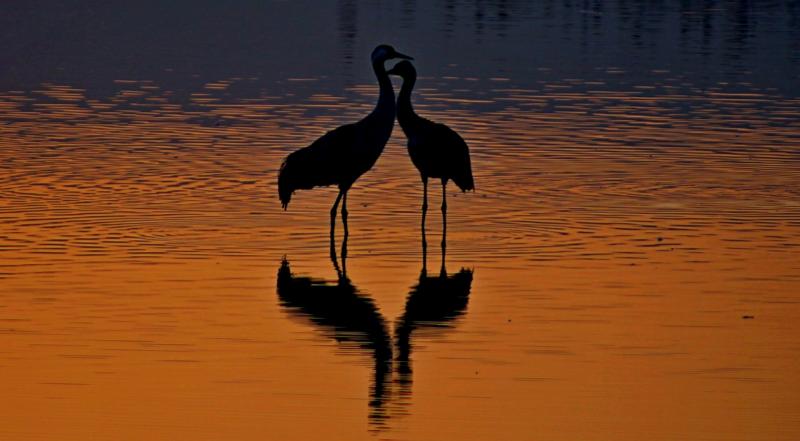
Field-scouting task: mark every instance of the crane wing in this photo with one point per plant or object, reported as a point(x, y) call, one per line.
point(320, 164)
point(456, 151)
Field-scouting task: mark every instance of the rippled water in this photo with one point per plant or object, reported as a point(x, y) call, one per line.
point(627, 269)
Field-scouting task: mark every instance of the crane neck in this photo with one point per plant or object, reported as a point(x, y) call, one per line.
point(386, 103)
point(405, 112)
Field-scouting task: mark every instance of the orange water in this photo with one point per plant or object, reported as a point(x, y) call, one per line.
point(620, 241)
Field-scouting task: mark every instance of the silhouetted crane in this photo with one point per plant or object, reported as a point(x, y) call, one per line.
point(344, 314)
point(435, 149)
point(342, 155)
point(433, 303)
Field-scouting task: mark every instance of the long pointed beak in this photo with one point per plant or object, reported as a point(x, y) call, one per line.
point(403, 56)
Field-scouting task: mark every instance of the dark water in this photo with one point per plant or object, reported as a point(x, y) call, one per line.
point(182, 44)
point(627, 269)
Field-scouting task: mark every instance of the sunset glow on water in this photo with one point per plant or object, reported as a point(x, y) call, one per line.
point(632, 245)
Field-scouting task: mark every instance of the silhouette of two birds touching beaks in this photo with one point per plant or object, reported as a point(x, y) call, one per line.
point(342, 155)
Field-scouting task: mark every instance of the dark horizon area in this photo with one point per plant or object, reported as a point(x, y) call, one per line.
point(182, 45)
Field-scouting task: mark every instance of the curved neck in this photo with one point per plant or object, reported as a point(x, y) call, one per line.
point(405, 112)
point(386, 98)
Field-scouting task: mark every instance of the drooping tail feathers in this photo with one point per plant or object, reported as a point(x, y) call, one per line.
point(305, 169)
point(465, 182)
point(462, 174)
point(285, 187)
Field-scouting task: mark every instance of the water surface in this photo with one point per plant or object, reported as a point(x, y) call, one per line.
point(627, 268)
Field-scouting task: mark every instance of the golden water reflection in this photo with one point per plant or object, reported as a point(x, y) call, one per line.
point(617, 238)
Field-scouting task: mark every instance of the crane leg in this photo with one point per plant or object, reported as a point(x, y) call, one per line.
point(333, 223)
point(444, 219)
point(424, 213)
point(346, 231)
point(344, 213)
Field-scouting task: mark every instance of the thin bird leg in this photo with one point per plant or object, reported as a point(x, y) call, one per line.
point(424, 212)
point(344, 213)
point(333, 224)
point(444, 215)
point(346, 231)
point(444, 220)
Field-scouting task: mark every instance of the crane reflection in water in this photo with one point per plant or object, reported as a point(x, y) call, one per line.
point(344, 314)
point(341, 312)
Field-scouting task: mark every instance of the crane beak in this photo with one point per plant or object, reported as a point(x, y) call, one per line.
point(403, 56)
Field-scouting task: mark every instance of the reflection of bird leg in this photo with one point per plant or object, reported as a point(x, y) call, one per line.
point(336, 263)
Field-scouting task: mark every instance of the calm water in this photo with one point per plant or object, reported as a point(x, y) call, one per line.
point(627, 269)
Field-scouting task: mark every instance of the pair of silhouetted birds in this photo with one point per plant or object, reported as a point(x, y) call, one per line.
point(342, 155)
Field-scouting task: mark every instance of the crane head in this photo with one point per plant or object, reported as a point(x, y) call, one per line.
point(403, 69)
point(385, 52)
